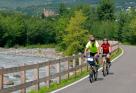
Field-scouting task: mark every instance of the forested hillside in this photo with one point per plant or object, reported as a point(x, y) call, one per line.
point(69, 30)
point(26, 3)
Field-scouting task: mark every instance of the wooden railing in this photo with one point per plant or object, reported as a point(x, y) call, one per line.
point(74, 64)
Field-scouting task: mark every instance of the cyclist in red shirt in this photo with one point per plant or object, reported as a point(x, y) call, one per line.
point(106, 49)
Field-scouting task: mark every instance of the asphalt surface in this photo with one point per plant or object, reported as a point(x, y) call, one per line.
point(122, 78)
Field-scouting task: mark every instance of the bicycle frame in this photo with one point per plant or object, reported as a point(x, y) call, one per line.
point(93, 69)
point(105, 65)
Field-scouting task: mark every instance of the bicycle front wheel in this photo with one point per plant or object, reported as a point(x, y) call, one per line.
point(104, 70)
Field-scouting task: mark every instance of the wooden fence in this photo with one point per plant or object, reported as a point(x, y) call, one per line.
point(76, 62)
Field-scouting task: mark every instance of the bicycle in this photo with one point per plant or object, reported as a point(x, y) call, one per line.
point(106, 65)
point(93, 73)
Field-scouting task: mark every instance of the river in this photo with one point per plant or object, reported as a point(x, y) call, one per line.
point(8, 60)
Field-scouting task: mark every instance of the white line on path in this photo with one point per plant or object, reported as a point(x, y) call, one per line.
point(85, 76)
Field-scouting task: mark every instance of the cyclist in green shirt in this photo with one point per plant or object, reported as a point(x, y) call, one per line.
point(93, 48)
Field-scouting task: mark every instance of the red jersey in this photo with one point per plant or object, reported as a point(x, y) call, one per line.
point(105, 47)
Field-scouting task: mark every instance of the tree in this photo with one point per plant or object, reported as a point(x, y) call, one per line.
point(122, 20)
point(1, 35)
point(60, 26)
point(126, 32)
point(130, 31)
point(76, 35)
point(90, 13)
point(63, 9)
point(14, 32)
point(17, 29)
point(40, 31)
point(102, 29)
point(105, 10)
point(133, 31)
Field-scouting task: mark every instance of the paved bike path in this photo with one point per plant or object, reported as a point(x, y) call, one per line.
point(122, 78)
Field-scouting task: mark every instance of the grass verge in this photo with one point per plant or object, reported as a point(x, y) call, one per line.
point(40, 46)
point(72, 79)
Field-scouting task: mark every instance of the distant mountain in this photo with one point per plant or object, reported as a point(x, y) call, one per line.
point(26, 3)
point(35, 7)
point(21, 3)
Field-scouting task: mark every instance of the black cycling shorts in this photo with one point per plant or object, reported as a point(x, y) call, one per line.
point(93, 54)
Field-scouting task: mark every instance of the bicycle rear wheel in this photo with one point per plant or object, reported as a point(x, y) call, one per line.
point(91, 78)
point(96, 75)
point(91, 75)
point(104, 70)
point(107, 68)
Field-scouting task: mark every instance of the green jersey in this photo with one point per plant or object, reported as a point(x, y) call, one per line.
point(92, 49)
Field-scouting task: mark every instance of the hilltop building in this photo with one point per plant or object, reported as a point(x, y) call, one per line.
point(49, 12)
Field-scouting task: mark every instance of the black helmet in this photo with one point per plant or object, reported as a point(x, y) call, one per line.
point(92, 39)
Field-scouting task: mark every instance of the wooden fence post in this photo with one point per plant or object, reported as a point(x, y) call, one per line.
point(118, 46)
point(68, 68)
point(48, 74)
point(36, 76)
point(74, 64)
point(23, 78)
point(1, 78)
point(80, 61)
point(59, 71)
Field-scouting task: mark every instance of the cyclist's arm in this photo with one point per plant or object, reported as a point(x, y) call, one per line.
point(101, 48)
point(110, 49)
point(98, 51)
point(98, 48)
point(87, 48)
point(85, 52)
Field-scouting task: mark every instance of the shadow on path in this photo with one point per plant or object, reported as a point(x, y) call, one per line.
point(111, 73)
point(100, 79)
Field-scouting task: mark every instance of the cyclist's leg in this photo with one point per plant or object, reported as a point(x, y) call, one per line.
point(102, 62)
point(108, 59)
point(91, 72)
point(90, 66)
point(97, 61)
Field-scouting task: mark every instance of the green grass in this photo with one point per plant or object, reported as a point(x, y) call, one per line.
point(64, 82)
point(72, 78)
point(41, 46)
point(116, 53)
point(128, 43)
